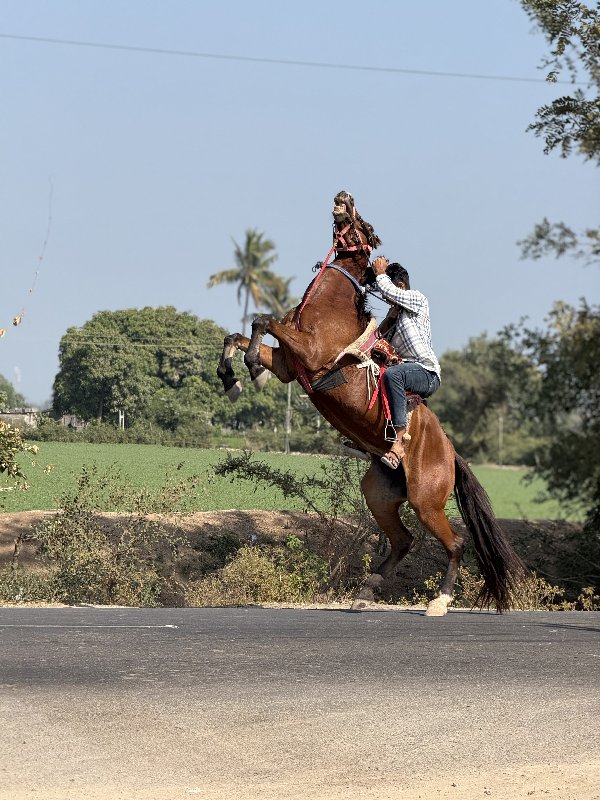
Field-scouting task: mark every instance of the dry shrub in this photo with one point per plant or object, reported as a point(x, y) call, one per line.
point(19, 586)
point(257, 574)
point(92, 560)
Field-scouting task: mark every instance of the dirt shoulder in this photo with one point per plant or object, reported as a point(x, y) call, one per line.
point(554, 549)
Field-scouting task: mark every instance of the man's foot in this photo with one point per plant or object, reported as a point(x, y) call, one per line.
point(351, 449)
point(394, 456)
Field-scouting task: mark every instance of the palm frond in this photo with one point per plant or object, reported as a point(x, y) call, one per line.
point(225, 276)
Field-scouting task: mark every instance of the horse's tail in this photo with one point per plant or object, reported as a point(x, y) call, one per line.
point(500, 567)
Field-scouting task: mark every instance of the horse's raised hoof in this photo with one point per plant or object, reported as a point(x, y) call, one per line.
point(234, 391)
point(439, 606)
point(259, 381)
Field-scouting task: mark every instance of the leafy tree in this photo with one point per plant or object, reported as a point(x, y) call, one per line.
point(483, 405)
point(9, 397)
point(252, 274)
point(100, 371)
point(131, 359)
point(12, 444)
point(567, 404)
point(572, 121)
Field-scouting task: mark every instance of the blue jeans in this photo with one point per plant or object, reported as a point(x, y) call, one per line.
point(407, 376)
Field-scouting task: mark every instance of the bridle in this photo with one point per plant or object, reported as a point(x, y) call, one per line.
point(338, 236)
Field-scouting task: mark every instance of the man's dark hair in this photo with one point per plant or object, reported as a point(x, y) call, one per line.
point(397, 273)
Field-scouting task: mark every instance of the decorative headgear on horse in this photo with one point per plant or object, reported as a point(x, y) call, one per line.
point(345, 213)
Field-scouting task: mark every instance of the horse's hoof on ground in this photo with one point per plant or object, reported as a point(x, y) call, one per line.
point(439, 606)
point(260, 380)
point(366, 596)
point(234, 392)
point(360, 604)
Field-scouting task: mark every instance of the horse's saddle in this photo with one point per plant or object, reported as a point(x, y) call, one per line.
point(372, 345)
point(413, 400)
point(384, 354)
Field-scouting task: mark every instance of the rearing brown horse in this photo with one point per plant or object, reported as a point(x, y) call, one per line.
point(331, 316)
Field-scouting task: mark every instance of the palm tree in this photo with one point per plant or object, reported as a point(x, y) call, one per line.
point(277, 298)
point(252, 273)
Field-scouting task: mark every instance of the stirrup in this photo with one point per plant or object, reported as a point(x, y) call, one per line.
point(389, 432)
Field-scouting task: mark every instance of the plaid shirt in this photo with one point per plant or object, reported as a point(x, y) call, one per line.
point(412, 337)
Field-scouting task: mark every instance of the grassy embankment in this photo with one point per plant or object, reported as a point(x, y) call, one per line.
point(147, 465)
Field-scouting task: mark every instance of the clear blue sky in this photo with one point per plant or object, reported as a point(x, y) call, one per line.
point(151, 163)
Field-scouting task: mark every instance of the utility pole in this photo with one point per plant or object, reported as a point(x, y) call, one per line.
point(500, 433)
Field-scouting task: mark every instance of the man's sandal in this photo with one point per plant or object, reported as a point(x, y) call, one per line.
point(391, 460)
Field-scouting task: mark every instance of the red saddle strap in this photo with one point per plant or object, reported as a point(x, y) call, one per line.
point(384, 397)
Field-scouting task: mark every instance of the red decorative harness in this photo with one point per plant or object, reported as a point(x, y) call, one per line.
point(385, 403)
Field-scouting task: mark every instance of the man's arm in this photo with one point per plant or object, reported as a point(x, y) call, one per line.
point(386, 329)
point(410, 299)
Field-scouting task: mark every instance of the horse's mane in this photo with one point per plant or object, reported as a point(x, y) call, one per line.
point(363, 309)
point(373, 240)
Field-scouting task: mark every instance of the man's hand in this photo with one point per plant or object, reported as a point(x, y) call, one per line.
point(380, 265)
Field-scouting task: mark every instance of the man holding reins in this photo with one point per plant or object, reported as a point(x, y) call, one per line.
point(419, 370)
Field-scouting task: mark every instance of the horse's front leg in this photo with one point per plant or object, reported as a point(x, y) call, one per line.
point(225, 371)
point(252, 359)
point(262, 359)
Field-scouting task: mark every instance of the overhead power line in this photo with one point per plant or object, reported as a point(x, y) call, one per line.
point(109, 340)
point(274, 61)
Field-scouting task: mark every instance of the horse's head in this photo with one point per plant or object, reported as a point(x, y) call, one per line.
point(351, 233)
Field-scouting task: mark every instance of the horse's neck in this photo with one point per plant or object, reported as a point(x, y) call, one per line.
point(332, 318)
point(354, 264)
point(341, 303)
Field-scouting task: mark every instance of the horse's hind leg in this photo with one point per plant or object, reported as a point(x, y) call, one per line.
point(384, 493)
point(436, 522)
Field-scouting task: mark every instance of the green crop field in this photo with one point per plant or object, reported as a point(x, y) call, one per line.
point(147, 466)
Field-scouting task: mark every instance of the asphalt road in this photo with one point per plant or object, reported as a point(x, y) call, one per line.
point(282, 703)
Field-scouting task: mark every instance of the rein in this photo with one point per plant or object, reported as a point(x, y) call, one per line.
point(339, 238)
point(322, 269)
